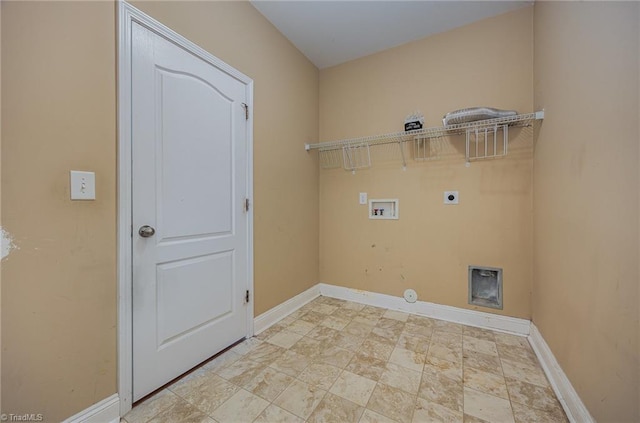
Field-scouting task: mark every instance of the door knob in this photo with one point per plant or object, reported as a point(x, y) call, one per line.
point(146, 231)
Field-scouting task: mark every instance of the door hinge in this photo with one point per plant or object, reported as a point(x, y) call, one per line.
point(246, 110)
point(246, 205)
point(246, 297)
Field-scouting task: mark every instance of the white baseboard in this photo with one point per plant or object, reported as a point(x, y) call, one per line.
point(436, 311)
point(281, 311)
point(567, 395)
point(105, 411)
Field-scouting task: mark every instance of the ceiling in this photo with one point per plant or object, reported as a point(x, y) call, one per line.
point(331, 32)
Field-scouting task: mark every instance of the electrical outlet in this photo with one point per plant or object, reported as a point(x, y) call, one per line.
point(363, 198)
point(451, 197)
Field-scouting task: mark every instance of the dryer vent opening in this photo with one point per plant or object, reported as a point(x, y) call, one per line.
point(485, 286)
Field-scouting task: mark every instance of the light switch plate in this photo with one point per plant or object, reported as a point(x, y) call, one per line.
point(363, 198)
point(83, 185)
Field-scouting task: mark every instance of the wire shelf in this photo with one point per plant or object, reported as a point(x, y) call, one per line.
point(476, 134)
point(330, 159)
point(425, 149)
point(356, 156)
point(483, 143)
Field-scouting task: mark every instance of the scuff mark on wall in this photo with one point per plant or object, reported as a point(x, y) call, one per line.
point(7, 243)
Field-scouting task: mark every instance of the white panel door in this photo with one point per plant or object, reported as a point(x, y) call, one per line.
point(189, 183)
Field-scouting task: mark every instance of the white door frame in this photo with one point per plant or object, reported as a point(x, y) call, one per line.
point(127, 15)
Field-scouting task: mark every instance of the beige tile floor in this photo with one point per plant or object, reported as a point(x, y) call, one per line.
point(338, 361)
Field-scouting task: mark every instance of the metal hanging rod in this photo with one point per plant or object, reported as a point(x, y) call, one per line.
point(427, 133)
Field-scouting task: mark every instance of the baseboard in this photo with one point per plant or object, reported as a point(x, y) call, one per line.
point(567, 395)
point(436, 311)
point(107, 410)
point(281, 311)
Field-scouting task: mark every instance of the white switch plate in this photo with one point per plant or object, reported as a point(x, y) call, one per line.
point(83, 185)
point(451, 197)
point(363, 198)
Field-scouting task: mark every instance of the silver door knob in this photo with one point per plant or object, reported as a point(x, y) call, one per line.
point(146, 231)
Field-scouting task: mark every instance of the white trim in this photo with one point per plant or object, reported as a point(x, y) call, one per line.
point(452, 314)
point(107, 410)
point(128, 14)
point(567, 395)
point(282, 310)
point(125, 318)
point(250, 270)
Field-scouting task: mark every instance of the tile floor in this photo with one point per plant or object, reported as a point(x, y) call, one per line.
point(338, 361)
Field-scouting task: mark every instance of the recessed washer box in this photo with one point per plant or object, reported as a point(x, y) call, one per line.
point(384, 209)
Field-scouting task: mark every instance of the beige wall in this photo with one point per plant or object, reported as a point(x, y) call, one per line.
point(59, 288)
point(431, 246)
point(58, 114)
point(585, 291)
